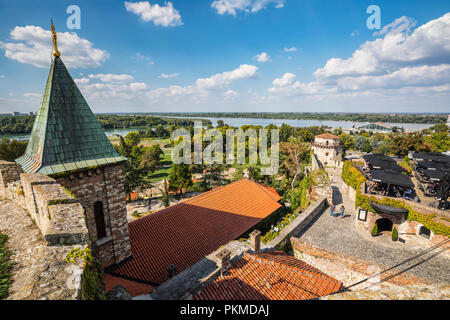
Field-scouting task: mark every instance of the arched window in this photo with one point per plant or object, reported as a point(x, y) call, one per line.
point(99, 220)
point(327, 142)
point(425, 232)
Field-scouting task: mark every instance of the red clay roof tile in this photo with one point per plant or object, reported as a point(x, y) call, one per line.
point(327, 136)
point(133, 288)
point(184, 233)
point(270, 276)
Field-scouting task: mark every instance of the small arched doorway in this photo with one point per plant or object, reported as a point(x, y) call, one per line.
point(425, 232)
point(384, 224)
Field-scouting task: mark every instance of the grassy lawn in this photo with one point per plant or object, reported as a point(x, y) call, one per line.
point(5, 267)
point(162, 172)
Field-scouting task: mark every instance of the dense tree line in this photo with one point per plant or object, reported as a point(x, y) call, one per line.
point(24, 124)
point(355, 117)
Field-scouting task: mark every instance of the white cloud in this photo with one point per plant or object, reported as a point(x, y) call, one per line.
point(111, 77)
point(293, 49)
point(140, 57)
point(232, 6)
point(402, 62)
point(107, 86)
point(1, 76)
point(428, 44)
point(220, 80)
point(34, 47)
point(231, 94)
point(166, 16)
point(262, 57)
point(168, 76)
point(402, 24)
point(203, 85)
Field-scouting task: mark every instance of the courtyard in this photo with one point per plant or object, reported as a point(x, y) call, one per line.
point(343, 235)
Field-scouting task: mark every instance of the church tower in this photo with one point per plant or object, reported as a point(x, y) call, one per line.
point(68, 143)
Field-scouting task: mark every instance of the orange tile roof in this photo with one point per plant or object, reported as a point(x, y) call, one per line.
point(327, 136)
point(133, 288)
point(184, 233)
point(270, 276)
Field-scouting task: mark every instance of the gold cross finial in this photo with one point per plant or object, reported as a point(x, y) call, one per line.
point(55, 44)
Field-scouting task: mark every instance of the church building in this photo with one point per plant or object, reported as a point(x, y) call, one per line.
point(68, 144)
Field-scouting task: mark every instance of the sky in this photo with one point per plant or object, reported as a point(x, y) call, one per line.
point(231, 55)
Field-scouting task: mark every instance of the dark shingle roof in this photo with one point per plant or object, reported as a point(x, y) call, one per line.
point(66, 135)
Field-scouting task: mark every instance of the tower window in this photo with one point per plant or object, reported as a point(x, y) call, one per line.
point(99, 220)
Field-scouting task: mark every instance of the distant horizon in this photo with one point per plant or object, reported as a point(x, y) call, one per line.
point(312, 56)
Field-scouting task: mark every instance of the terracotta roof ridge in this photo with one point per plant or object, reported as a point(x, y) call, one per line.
point(263, 187)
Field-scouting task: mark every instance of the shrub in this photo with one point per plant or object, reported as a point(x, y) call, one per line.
point(375, 229)
point(5, 267)
point(394, 234)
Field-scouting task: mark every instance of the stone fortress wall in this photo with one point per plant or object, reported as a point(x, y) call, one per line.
point(44, 223)
point(55, 211)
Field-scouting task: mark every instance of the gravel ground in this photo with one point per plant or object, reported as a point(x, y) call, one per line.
point(341, 235)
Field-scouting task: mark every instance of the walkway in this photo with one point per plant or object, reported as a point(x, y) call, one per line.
point(40, 271)
point(341, 235)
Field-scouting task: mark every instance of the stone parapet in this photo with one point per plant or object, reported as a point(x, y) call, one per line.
point(58, 215)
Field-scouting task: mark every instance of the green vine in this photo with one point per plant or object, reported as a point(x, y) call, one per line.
point(93, 283)
point(363, 201)
point(5, 267)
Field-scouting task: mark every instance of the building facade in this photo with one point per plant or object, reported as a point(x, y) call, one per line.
point(328, 150)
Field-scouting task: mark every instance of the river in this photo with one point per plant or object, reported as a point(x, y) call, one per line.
point(238, 122)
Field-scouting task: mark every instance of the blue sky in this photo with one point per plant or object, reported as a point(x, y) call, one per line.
point(232, 55)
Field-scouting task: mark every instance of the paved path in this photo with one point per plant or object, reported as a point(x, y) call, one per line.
point(341, 235)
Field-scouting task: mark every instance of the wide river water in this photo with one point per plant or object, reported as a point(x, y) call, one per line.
point(238, 122)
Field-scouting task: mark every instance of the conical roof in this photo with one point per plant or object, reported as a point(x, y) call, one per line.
point(66, 135)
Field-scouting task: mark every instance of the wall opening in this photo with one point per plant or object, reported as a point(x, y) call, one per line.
point(425, 232)
point(99, 220)
point(384, 224)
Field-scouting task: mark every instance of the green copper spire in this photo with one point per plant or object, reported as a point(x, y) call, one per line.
point(66, 135)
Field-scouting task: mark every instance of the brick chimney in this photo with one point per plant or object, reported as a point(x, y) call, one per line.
point(224, 261)
point(172, 271)
point(255, 240)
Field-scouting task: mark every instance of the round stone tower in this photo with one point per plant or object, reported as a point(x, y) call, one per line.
point(328, 150)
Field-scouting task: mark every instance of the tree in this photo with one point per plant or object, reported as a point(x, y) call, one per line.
point(180, 177)
point(150, 160)
point(439, 140)
point(165, 194)
point(348, 142)
point(10, 150)
point(363, 144)
point(285, 132)
point(133, 138)
point(440, 127)
point(295, 157)
point(220, 124)
point(160, 132)
point(213, 177)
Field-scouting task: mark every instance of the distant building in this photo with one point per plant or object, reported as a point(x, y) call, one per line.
point(377, 126)
point(328, 150)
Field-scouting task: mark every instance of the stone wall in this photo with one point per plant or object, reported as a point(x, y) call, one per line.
point(348, 269)
point(57, 214)
point(298, 224)
point(104, 184)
